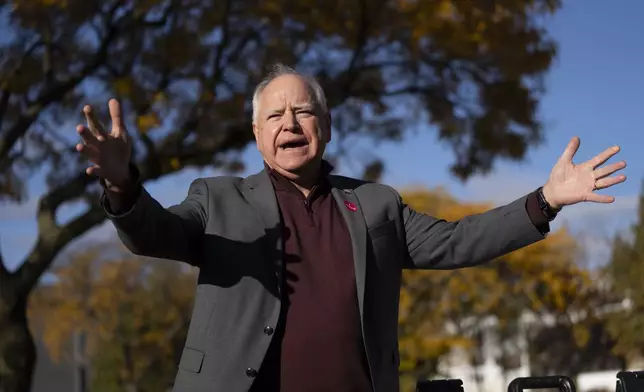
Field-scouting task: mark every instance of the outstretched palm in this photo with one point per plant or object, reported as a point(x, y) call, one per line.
point(570, 184)
point(109, 152)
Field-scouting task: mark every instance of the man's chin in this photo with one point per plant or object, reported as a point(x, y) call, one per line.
point(293, 163)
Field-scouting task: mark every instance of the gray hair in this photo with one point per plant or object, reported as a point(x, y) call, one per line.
point(277, 70)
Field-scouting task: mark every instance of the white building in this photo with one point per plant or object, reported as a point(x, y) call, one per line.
point(488, 376)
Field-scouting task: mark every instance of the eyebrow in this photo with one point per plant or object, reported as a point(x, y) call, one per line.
point(281, 110)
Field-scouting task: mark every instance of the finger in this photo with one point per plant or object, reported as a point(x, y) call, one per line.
point(609, 181)
point(94, 171)
point(118, 125)
point(571, 149)
point(89, 151)
point(597, 198)
point(602, 157)
point(87, 136)
point(94, 125)
point(608, 170)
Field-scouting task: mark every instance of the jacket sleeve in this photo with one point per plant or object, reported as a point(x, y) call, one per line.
point(175, 233)
point(434, 243)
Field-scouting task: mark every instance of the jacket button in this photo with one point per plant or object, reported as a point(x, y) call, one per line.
point(251, 373)
point(268, 330)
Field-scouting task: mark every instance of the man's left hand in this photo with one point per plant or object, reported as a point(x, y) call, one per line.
point(570, 184)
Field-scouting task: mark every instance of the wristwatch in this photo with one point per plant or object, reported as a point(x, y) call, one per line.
point(549, 211)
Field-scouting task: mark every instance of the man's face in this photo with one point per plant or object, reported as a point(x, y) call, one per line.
point(290, 131)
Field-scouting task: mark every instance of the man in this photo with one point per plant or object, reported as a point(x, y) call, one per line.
point(300, 270)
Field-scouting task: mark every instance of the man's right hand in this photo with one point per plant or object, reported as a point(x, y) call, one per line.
point(108, 152)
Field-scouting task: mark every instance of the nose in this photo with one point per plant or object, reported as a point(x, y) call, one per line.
point(289, 121)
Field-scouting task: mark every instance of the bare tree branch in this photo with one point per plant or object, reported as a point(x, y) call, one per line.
point(52, 94)
point(4, 104)
point(57, 90)
point(4, 274)
point(49, 243)
point(161, 21)
point(225, 37)
point(8, 291)
point(4, 100)
point(3, 267)
point(361, 39)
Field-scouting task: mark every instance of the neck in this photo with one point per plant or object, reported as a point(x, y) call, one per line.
point(304, 180)
point(304, 186)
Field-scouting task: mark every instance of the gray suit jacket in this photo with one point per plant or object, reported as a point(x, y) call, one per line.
point(229, 227)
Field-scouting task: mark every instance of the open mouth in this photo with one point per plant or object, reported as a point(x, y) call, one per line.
point(293, 144)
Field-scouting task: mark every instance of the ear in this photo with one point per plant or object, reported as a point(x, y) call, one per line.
point(256, 133)
point(327, 119)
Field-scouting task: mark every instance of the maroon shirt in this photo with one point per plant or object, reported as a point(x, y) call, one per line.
point(318, 346)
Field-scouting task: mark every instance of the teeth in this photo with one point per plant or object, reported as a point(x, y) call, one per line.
point(292, 144)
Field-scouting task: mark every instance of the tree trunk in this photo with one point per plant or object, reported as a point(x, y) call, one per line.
point(17, 349)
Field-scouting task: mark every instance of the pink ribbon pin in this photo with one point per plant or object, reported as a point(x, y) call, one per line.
point(350, 206)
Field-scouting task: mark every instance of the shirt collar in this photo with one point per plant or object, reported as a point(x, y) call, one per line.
point(280, 182)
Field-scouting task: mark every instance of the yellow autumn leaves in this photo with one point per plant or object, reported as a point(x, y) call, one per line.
point(543, 279)
point(133, 313)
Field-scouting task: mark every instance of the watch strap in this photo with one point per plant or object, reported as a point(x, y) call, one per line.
point(546, 208)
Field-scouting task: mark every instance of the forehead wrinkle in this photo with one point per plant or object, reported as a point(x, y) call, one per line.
point(278, 92)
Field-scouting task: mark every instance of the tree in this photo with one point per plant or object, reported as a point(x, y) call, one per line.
point(571, 348)
point(625, 271)
point(185, 70)
point(443, 311)
point(134, 315)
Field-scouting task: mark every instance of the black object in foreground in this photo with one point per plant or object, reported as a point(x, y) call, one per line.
point(630, 381)
point(563, 383)
point(453, 385)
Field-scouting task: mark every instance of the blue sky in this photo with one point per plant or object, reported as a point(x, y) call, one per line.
point(595, 91)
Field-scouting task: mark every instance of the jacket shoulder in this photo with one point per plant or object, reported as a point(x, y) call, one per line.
point(366, 188)
point(219, 184)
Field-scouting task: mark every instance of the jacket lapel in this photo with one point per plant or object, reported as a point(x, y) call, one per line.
point(352, 212)
point(259, 192)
